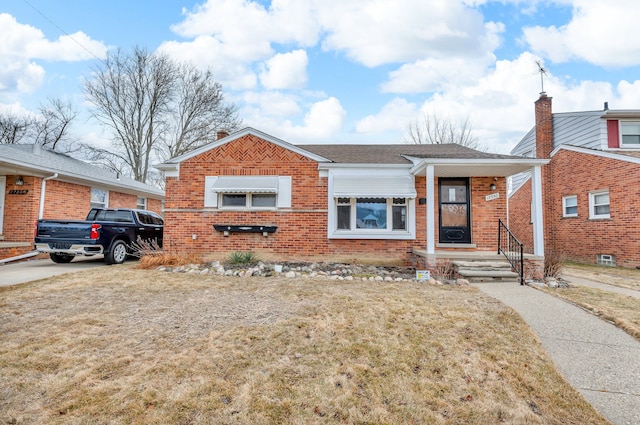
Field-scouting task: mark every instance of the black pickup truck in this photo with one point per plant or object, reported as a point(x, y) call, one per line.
point(111, 232)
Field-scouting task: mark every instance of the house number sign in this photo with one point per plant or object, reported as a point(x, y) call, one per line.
point(492, 196)
point(18, 191)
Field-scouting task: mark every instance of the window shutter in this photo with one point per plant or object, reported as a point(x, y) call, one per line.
point(284, 192)
point(210, 197)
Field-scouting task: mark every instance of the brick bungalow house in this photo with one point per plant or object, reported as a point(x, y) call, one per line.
point(591, 187)
point(250, 191)
point(36, 182)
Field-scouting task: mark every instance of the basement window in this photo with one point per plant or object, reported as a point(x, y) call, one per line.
point(606, 260)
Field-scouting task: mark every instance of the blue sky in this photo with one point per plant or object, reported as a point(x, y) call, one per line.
point(341, 71)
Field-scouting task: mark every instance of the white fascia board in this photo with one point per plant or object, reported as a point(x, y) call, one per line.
point(527, 162)
point(609, 154)
point(244, 132)
point(370, 167)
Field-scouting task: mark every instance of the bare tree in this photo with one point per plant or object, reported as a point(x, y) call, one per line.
point(154, 106)
point(199, 112)
point(52, 128)
point(13, 128)
point(434, 129)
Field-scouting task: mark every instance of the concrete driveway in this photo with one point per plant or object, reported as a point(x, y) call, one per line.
point(26, 271)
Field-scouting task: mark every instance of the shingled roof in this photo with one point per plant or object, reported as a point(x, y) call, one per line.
point(396, 154)
point(43, 160)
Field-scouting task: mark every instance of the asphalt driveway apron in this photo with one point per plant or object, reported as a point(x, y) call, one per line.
point(595, 357)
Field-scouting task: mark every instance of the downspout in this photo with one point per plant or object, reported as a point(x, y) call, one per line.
point(42, 193)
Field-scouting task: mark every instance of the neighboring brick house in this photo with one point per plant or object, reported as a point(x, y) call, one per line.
point(36, 182)
point(249, 191)
point(591, 187)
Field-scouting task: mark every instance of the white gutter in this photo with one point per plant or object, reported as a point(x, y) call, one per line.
point(42, 193)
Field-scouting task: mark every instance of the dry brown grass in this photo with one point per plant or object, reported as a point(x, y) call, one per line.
point(119, 345)
point(623, 277)
point(621, 310)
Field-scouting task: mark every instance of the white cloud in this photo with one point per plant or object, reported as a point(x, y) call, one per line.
point(324, 120)
point(272, 104)
point(208, 53)
point(21, 45)
point(376, 33)
point(20, 76)
point(395, 115)
point(434, 74)
point(242, 22)
point(599, 33)
point(285, 71)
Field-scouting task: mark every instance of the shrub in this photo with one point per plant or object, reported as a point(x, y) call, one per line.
point(442, 269)
point(241, 258)
point(553, 263)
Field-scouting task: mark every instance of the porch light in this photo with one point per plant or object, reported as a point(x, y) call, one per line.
point(492, 187)
point(19, 181)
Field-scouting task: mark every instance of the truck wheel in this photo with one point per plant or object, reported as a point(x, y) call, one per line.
point(60, 258)
point(118, 253)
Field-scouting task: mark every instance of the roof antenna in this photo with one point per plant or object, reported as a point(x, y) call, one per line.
point(542, 72)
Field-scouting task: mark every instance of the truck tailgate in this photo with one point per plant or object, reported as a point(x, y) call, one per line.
point(49, 230)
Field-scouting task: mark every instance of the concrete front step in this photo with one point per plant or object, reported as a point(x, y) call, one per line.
point(485, 271)
point(484, 265)
point(488, 275)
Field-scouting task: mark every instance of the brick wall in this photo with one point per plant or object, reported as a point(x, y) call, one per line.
point(580, 238)
point(21, 210)
point(520, 216)
point(485, 214)
point(66, 200)
point(302, 230)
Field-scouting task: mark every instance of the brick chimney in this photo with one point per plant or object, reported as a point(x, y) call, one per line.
point(221, 134)
point(544, 127)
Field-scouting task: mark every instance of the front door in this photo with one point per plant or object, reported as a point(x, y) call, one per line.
point(3, 184)
point(455, 211)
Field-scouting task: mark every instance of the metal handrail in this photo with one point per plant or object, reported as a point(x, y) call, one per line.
point(512, 249)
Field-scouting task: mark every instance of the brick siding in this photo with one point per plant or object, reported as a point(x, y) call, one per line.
point(580, 238)
point(302, 229)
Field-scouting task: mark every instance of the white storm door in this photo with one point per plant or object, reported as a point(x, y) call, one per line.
point(3, 184)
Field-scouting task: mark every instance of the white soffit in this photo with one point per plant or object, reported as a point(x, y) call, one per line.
point(384, 187)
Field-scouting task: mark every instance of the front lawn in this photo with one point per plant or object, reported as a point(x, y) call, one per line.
point(124, 346)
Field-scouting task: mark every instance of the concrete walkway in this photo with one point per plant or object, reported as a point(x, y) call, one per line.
point(596, 358)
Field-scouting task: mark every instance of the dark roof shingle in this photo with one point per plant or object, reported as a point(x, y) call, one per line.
point(395, 154)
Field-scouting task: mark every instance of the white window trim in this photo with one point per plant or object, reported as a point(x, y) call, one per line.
point(106, 198)
point(592, 209)
point(388, 233)
point(564, 206)
point(144, 206)
point(620, 135)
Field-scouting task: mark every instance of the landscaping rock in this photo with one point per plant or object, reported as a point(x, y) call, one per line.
point(347, 272)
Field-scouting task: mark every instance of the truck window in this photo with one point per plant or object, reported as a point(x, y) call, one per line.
point(111, 215)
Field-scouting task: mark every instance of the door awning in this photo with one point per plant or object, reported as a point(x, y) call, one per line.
point(374, 187)
point(246, 184)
